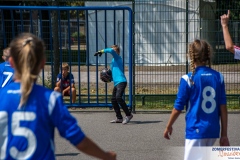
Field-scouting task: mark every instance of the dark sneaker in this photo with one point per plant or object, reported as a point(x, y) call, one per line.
point(127, 119)
point(117, 121)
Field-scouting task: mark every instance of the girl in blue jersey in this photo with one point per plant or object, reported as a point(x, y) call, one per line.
point(203, 93)
point(120, 83)
point(6, 71)
point(29, 112)
point(227, 38)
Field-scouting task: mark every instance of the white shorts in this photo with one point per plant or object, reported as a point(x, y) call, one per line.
point(194, 148)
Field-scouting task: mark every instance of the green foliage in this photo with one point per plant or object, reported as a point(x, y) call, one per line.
point(75, 13)
point(48, 81)
point(223, 6)
point(151, 102)
point(65, 56)
point(75, 35)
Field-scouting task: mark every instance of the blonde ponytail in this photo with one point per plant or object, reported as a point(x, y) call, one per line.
point(27, 52)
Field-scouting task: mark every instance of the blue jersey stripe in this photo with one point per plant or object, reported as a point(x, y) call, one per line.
point(52, 101)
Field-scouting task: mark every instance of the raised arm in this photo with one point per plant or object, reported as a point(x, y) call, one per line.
point(107, 50)
point(227, 38)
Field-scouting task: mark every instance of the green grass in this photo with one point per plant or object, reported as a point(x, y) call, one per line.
point(153, 102)
point(148, 96)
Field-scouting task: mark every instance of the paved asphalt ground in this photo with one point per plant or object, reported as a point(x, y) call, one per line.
point(141, 139)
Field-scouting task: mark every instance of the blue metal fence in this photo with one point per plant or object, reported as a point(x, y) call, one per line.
point(77, 52)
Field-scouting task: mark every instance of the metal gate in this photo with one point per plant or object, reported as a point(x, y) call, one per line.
point(78, 41)
point(161, 31)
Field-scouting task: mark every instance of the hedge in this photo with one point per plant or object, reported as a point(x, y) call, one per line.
point(66, 56)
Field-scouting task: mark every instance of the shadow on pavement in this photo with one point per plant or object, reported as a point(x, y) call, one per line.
point(67, 154)
point(143, 122)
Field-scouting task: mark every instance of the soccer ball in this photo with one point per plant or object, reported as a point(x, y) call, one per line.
point(106, 75)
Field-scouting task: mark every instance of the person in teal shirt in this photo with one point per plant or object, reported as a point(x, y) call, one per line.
point(120, 83)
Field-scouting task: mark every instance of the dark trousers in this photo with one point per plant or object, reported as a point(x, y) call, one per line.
point(117, 100)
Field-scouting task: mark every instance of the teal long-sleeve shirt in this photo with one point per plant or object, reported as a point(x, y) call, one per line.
point(116, 67)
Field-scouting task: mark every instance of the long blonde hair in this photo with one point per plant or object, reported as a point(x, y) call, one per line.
point(27, 52)
point(199, 51)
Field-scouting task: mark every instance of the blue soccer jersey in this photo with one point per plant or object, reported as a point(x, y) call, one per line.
point(66, 81)
point(6, 74)
point(202, 100)
point(116, 67)
point(28, 132)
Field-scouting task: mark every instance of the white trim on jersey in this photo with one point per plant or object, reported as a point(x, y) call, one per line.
point(52, 101)
point(186, 78)
point(189, 105)
point(221, 76)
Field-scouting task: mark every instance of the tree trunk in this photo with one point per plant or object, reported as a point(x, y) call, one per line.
point(56, 55)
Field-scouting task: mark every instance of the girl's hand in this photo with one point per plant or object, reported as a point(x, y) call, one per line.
point(168, 132)
point(224, 141)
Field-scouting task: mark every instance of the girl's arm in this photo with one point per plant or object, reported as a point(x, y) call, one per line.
point(227, 38)
point(224, 120)
point(168, 131)
point(88, 147)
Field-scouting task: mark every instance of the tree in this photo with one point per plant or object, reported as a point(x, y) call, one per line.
point(223, 6)
point(55, 37)
point(56, 57)
point(74, 12)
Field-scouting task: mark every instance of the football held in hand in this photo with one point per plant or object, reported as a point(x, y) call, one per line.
point(106, 75)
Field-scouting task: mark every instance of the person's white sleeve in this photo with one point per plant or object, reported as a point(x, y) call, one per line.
point(236, 52)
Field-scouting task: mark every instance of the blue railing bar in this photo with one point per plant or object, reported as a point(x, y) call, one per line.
point(114, 27)
point(41, 36)
point(90, 105)
point(123, 36)
point(31, 22)
point(21, 18)
point(130, 58)
point(79, 57)
point(105, 55)
point(96, 20)
point(60, 42)
point(66, 8)
point(69, 52)
point(13, 29)
point(40, 21)
point(123, 44)
point(87, 55)
point(60, 38)
point(4, 32)
point(105, 24)
point(51, 44)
